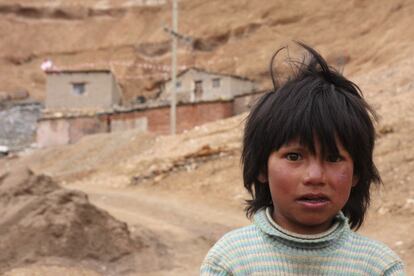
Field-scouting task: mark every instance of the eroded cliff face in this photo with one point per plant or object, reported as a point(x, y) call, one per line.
point(227, 36)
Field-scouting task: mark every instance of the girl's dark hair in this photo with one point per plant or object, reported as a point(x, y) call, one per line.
point(317, 102)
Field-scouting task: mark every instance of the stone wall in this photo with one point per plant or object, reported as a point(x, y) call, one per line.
point(18, 124)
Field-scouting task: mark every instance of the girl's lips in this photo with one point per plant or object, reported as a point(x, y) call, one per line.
point(313, 200)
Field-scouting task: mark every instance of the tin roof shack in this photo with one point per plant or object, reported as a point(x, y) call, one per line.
point(76, 89)
point(199, 85)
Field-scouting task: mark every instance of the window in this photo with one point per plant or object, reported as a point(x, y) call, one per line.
point(198, 90)
point(178, 84)
point(79, 88)
point(141, 99)
point(216, 82)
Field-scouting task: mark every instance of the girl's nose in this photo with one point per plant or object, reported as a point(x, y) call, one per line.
point(314, 172)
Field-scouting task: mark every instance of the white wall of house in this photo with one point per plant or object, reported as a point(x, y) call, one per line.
point(81, 89)
point(214, 87)
point(241, 87)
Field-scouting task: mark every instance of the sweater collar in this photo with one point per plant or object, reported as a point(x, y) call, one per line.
point(263, 220)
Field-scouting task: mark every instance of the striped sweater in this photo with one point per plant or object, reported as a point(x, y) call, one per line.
point(264, 248)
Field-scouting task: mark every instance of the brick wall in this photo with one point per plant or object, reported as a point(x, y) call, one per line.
point(82, 126)
point(62, 131)
point(59, 131)
point(188, 116)
point(52, 132)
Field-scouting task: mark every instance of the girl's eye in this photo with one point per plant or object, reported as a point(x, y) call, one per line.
point(334, 158)
point(293, 156)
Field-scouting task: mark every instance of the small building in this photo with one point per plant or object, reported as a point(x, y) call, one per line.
point(80, 103)
point(75, 89)
point(199, 85)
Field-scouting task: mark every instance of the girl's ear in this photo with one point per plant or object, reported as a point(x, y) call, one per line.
point(262, 177)
point(355, 180)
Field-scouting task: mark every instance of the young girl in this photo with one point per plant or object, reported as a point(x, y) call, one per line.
point(308, 165)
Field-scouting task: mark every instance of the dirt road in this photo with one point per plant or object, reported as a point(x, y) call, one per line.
point(178, 230)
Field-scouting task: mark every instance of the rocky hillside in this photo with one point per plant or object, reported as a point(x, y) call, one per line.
point(236, 37)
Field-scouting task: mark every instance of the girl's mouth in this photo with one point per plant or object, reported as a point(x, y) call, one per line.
point(313, 200)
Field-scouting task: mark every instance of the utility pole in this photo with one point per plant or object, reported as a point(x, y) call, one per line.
point(175, 37)
point(173, 119)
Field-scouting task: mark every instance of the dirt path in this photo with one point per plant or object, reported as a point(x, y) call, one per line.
point(178, 228)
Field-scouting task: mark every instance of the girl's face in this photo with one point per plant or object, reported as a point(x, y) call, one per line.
point(307, 189)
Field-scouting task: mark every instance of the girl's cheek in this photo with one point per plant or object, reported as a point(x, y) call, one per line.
point(344, 175)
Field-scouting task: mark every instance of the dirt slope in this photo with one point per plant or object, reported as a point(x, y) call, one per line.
point(228, 36)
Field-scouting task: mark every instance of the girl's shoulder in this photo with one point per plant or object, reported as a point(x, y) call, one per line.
point(229, 247)
point(365, 243)
point(238, 238)
point(367, 248)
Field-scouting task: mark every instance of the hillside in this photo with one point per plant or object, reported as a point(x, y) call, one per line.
point(179, 194)
point(235, 37)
